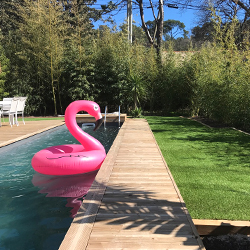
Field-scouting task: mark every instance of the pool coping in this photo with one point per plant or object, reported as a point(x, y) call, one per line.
point(25, 136)
point(76, 234)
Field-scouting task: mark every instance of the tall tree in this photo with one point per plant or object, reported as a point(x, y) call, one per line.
point(228, 11)
point(156, 38)
point(4, 69)
point(138, 35)
point(202, 34)
point(9, 18)
point(42, 32)
point(77, 61)
point(171, 28)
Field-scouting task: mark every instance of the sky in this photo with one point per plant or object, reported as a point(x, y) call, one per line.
point(187, 16)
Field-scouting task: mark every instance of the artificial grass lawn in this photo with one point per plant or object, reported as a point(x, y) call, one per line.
point(211, 166)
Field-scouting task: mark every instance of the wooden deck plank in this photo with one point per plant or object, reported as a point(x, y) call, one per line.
point(15, 133)
point(153, 244)
point(134, 202)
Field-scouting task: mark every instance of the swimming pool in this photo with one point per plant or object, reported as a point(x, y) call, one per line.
point(36, 210)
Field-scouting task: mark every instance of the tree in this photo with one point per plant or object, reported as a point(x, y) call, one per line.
point(109, 55)
point(181, 44)
point(158, 14)
point(154, 30)
point(9, 18)
point(42, 32)
point(4, 69)
point(52, 52)
point(171, 28)
point(138, 35)
point(228, 11)
point(202, 34)
point(76, 61)
point(156, 38)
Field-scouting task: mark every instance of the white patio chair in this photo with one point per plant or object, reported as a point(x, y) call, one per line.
point(20, 108)
point(12, 110)
point(6, 105)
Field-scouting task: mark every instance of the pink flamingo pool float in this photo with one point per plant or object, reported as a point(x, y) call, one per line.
point(73, 158)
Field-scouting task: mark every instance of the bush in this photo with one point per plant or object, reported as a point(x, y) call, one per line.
point(136, 112)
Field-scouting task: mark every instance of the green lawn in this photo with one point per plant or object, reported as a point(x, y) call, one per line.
point(211, 166)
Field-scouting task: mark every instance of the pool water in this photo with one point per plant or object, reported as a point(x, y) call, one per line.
point(36, 210)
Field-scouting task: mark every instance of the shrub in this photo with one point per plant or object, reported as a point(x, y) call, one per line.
point(136, 112)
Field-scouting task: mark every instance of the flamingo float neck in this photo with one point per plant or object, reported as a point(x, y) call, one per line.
point(89, 142)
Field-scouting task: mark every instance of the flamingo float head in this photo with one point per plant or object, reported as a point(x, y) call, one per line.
point(95, 111)
point(82, 105)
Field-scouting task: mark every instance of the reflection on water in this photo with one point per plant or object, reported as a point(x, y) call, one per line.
point(73, 187)
point(33, 216)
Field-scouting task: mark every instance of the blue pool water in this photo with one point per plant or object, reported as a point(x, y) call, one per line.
point(36, 210)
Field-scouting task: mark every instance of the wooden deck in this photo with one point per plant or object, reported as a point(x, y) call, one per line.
point(15, 133)
point(134, 202)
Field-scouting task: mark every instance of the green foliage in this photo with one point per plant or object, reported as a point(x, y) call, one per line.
point(110, 67)
point(42, 34)
point(224, 33)
point(203, 34)
point(4, 70)
point(171, 28)
point(54, 58)
point(174, 90)
point(136, 90)
point(136, 112)
point(41, 64)
point(221, 85)
point(151, 71)
point(138, 34)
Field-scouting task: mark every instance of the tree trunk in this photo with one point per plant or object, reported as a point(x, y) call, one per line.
point(51, 61)
point(159, 26)
point(157, 40)
point(144, 26)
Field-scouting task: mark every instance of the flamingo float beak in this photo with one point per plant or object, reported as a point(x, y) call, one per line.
point(98, 123)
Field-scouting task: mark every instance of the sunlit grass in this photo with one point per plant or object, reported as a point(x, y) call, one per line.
point(211, 166)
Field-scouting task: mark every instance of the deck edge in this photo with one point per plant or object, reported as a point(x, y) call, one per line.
point(195, 231)
point(29, 135)
point(82, 224)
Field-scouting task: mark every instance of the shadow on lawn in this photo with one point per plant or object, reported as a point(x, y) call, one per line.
point(223, 146)
point(192, 130)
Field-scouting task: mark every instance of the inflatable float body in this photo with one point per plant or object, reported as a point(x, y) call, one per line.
point(73, 158)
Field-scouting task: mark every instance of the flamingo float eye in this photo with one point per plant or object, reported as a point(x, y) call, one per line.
point(95, 107)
